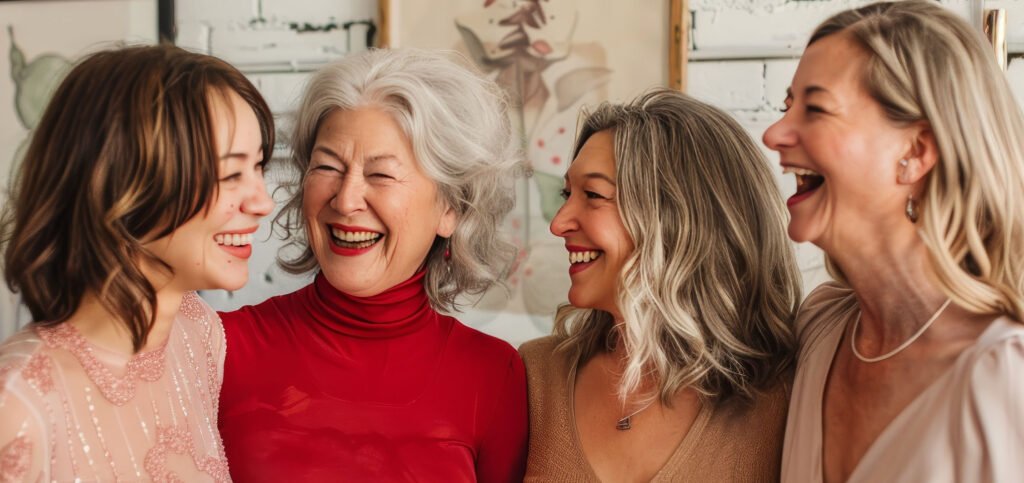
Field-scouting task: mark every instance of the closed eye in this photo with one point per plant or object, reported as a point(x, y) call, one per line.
point(564, 194)
point(326, 168)
point(231, 177)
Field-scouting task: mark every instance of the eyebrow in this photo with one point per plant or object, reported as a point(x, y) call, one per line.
point(382, 157)
point(593, 176)
point(376, 157)
point(326, 151)
point(259, 154)
point(807, 91)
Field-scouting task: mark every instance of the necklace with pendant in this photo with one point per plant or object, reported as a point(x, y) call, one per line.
point(625, 423)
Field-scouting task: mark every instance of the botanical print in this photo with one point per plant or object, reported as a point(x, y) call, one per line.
point(553, 58)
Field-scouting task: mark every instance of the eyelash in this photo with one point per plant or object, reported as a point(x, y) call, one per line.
point(590, 195)
point(810, 108)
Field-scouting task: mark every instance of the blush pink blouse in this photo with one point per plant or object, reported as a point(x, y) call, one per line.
point(968, 425)
point(71, 410)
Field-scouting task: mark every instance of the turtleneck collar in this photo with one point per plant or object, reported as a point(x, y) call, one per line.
point(397, 311)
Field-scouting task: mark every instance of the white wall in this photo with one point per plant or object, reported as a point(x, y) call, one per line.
point(744, 54)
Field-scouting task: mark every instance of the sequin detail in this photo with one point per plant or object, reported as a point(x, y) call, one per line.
point(38, 372)
point(193, 307)
point(15, 458)
point(146, 366)
point(177, 440)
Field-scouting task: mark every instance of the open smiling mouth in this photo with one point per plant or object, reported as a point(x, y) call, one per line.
point(807, 182)
point(581, 259)
point(354, 240)
point(237, 244)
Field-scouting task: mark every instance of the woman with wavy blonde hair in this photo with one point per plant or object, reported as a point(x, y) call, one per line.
point(905, 140)
point(673, 360)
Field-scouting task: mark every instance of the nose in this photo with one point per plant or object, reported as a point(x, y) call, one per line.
point(564, 221)
point(351, 195)
point(258, 202)
point(779, 135)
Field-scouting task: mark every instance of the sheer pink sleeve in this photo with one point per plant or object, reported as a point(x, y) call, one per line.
point(24, 439)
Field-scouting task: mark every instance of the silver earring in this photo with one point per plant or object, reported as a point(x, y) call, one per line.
point(904, 162)
point(911, 209)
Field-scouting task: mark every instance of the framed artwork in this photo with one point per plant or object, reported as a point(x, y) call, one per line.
point(552, 57)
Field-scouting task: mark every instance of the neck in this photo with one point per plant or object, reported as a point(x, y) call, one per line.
point(107, 329)
point(894, 283)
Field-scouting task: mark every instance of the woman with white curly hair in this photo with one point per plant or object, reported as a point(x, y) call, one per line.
point(406, 160)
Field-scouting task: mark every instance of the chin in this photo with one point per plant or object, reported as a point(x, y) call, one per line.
point(798, 232)
point(580, 301)
point(233, 283)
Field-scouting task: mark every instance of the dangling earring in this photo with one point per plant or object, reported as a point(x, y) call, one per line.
point(911, 209)
point(448, 254)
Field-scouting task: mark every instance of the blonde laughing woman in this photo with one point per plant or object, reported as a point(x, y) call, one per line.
point(906, 141)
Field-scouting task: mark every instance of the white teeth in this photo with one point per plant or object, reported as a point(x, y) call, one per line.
point(354, 236)
point(798, 171)
point(583, 257)
point(233, 239)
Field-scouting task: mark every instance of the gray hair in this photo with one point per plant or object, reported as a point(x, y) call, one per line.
point(927, 64)
point(709, 294)
point(457, 123)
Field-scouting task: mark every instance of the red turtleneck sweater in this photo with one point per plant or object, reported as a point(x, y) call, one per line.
point(322, 386)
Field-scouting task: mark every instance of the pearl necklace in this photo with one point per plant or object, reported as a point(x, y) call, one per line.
point(853, 337)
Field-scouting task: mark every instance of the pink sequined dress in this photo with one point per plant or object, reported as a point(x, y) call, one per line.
point(70, 410)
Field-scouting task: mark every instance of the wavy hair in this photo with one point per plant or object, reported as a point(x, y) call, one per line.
point(124, 153)
point(709, 294)
point(457, 122)
point(926, 64)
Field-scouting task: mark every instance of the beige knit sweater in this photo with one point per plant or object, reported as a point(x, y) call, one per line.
point(732, 442)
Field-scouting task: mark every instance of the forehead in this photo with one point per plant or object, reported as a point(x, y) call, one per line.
point(596, 156)
point(369, 125)
point(235, 125)
point(836, 63)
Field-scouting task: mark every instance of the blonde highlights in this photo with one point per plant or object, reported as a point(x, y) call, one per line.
point(926, 64)
point(124, 153)
point(709, 293)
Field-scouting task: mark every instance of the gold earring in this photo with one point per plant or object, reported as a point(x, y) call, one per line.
point(911, 209)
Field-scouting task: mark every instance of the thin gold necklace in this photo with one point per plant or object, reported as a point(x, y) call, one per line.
point(856, 324)
point(626, 423)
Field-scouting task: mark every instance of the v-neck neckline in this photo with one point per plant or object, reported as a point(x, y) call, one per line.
point(683, 448)
point(836, 338)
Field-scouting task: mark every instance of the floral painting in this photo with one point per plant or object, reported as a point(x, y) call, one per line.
point(553, 58)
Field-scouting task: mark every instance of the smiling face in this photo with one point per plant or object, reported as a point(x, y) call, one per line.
point(371, 213)
point(589, 221)
point(845, 152)
point(211, 250)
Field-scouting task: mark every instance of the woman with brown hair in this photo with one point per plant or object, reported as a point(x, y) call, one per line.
point(143, 183)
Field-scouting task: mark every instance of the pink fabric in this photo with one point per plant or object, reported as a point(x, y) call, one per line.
point(71, 409)
point(968, 425)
